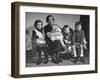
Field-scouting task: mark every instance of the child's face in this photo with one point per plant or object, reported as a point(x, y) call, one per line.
point(67, 30)
point(39, 25)
point(79, 27)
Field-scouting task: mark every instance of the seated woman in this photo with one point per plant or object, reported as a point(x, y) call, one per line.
point(38, 38)
point(53, 37)
point(67, 33)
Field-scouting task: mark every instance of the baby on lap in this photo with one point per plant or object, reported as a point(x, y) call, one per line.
point(56, 34)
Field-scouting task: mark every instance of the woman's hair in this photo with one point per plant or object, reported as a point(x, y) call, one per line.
point(47, 18)
point(37, 21)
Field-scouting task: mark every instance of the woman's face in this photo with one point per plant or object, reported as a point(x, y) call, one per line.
point(39, 25)
point(50, 20)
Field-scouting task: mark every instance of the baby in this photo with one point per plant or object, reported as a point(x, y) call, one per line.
point(56, 34)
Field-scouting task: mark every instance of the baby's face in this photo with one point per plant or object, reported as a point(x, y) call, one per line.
point(56, 29)
point(67, 30)
point(79, 27)
point(39, 25)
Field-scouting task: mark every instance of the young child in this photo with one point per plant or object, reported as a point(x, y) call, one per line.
point(38, 36)
point(67, 33)
point(56, 34)
point(78, 42)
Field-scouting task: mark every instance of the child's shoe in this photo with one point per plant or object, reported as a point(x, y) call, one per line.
point(45, 61)
point(75, 59)
point(39, 61)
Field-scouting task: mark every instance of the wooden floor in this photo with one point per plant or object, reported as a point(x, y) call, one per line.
point(65, 62)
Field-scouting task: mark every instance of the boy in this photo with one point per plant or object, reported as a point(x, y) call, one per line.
point(78, 40)
point(38, 37)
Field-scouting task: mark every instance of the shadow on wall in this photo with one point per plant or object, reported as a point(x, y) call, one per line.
point(28, 37)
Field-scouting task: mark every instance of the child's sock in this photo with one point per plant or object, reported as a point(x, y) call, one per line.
point(75, 55)
point(81, 55)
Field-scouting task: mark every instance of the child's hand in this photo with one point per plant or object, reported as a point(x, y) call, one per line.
point(69, 42)
point(66, 41)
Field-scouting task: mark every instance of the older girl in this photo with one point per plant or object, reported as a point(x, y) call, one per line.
point(38, 38)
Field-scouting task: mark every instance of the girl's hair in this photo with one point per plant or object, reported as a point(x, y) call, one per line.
point(47, 18)
point(37, 21)
point(65, 26)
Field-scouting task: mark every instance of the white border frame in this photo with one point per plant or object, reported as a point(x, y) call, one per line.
point(54, 69)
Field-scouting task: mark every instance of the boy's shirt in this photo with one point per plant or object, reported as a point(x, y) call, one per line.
point(78, 37)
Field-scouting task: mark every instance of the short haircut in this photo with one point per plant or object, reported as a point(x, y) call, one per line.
point(37, 21)
point(66, 26)
point(47, 18)
point(78, 23)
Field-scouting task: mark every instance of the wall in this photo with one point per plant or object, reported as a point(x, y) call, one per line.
point(5, 40)
point(60, 19)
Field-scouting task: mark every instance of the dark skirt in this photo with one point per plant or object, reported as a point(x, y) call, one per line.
point(54, 46)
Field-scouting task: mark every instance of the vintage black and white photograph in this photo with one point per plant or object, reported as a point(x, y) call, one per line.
point(56, 39)
point(51, 39)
